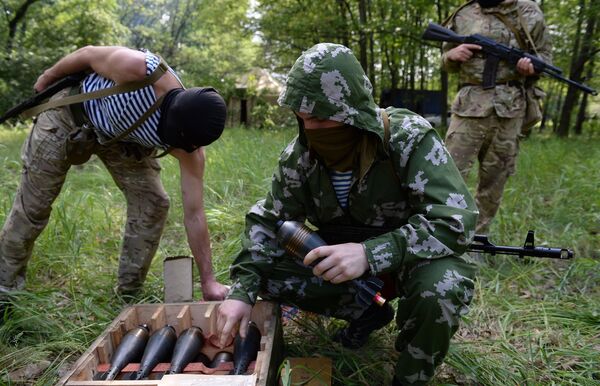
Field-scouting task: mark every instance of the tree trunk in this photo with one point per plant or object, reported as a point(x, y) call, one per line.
point(13, 24)
point(577, 68)
point(584, 101)
point(362, 36)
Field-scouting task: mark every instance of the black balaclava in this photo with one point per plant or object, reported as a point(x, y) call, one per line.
point(191, 118)
point(489, 3)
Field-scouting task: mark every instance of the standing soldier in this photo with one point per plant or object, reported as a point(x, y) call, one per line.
point(488, 120)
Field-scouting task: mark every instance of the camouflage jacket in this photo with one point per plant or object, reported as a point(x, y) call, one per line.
point(506, 101)
point(410, 185)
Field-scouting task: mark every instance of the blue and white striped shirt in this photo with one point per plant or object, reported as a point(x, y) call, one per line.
point(114, 114)
point(341, 184)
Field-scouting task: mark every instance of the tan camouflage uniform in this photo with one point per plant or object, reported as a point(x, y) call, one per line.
point(44, 171)
point(411, 186)
point(486, 124)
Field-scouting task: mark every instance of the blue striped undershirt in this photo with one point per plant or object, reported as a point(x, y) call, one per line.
point(114, 114)
point(341, 184)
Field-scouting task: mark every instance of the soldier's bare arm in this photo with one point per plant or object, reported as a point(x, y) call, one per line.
point(192, 186)
point(119, 64)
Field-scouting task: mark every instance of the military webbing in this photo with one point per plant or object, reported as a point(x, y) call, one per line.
point(118, 89)
point(137, 123)
point(522, 44)
point(450, 18)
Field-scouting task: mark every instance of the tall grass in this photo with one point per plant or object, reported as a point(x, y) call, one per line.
point(533, 322)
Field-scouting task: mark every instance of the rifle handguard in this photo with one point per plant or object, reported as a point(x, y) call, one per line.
point(482, 244)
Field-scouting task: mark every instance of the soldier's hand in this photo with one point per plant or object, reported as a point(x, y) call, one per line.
point(525, 67)
point(463, 52)
point(213, 290)
point(231, 316)
point(339, 263)
point(43, 81)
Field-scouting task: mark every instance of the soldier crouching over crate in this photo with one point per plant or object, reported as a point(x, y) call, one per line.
point(149, 110)
point(355, 165)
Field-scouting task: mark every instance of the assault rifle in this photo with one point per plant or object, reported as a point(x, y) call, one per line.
point(339, 234)
point(495, 52)
point(42, 96)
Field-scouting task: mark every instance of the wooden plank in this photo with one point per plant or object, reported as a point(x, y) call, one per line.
point(130, 319)
point(158, 319)
point(102, 352)
point(211, 315)
point(184, 319)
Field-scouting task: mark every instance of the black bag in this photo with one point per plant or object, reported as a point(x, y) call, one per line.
point(80, 144)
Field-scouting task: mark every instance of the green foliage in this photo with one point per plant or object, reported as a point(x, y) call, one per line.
point(207, 42)
point(49, 31)
point(533, 321)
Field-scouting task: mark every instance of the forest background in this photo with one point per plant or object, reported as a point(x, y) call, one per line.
point(533, 322)
point(217, 42)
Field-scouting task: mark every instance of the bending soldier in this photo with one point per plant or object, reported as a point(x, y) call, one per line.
point(187, 120)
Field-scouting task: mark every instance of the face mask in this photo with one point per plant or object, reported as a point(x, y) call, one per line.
point(337, 146)
point(191, 118)
point(489, 3)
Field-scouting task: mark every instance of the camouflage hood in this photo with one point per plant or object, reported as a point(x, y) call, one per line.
point(329, 83)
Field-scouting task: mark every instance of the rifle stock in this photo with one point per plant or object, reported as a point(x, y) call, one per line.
point(36, 99)
point(511, 55)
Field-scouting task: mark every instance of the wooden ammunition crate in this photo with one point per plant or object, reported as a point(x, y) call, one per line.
point(263, 371)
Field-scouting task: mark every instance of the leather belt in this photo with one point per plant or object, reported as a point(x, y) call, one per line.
point(511, 83)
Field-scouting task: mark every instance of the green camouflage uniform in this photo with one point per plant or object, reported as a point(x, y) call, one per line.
point(410, 185)
point(486, 124)
point(44, 172)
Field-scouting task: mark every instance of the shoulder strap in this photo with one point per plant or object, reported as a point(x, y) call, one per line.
point(527, 34)
point(117, 89)
point(137, 123)
point(450, 18)
point(525, 42)
point(522, 44)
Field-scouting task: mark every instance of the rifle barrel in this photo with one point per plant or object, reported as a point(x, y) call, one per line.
point(482, 244)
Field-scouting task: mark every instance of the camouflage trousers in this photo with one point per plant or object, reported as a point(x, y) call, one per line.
point(494, 141)
point(43, 174)
point(433, 294)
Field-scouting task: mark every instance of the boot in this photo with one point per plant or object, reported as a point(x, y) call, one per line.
point(357, 332)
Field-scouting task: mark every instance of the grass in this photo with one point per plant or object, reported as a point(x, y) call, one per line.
point(533, 322)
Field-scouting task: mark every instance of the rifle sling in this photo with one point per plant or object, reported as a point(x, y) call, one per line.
point(137, 123)
point(117, 89)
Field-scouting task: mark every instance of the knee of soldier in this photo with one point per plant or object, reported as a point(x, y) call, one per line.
point(161, 204)
point(448, 297)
